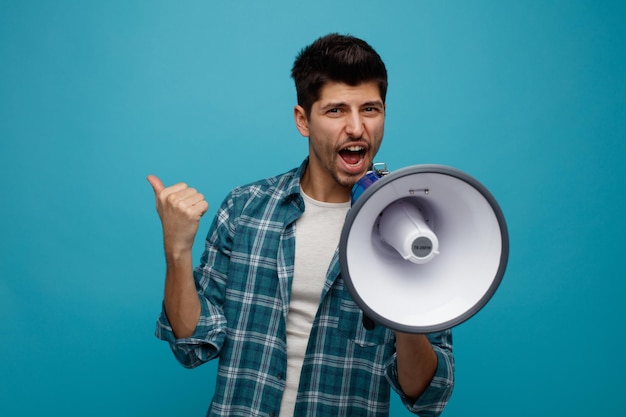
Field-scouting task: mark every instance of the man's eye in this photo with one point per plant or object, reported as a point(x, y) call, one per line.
point(335, 110)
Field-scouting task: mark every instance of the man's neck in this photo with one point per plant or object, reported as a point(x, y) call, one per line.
point(325, 191)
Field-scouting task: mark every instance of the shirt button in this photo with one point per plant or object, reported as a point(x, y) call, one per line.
point(280, 376)
point(272, 414)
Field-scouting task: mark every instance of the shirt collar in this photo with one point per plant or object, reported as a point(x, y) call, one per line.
point(292, 190)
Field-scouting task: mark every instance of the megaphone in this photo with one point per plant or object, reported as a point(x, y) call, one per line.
point(423, 248)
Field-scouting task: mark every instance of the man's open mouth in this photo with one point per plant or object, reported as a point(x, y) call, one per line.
point(352, 155)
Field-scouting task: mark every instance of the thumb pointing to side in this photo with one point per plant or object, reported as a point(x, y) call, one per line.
point(156, 184)
point(180, 209)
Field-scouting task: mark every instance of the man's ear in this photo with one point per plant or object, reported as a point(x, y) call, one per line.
point(302, 122)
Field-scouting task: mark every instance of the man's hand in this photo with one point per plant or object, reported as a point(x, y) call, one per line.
point(180, 209)
point(417, 363)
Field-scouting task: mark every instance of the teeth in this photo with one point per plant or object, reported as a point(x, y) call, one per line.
point(354, 148)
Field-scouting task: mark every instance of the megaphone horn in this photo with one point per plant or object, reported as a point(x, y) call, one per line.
point(423, 248)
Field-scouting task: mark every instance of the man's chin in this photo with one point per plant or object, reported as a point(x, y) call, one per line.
point(348, 181)
point(347, 175)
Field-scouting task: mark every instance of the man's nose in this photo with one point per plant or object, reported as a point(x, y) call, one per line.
point(354, 125)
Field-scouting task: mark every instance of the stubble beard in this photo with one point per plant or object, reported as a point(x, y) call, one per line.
point(343, 179)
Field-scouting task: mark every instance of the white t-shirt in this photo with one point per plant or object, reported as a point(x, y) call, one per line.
point(317, 236)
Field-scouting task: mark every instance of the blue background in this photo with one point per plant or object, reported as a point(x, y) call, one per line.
point(527, 96)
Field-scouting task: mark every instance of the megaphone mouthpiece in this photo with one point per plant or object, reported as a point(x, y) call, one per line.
point(403, 227)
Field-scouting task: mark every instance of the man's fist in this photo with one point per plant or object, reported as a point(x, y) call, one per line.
point(180, 209)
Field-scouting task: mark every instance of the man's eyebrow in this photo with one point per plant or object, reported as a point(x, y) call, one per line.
point(332, 105)
point(375, 103)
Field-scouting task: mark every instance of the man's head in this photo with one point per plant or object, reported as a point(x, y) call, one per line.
point(341, 83)
point(336, 58)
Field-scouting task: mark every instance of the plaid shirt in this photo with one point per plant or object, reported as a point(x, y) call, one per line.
point(244, 282)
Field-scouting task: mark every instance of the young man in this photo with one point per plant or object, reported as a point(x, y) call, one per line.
point(268, 298)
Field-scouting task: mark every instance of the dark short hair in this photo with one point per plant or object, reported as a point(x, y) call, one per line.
point(336, 58)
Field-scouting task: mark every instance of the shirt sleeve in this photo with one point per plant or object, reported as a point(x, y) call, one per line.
point(210, 279)
point(433, 400)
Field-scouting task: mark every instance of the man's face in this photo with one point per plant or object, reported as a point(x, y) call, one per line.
point(345, 129)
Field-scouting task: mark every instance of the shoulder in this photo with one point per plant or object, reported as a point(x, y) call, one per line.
point(278, 184)
point(274, 190)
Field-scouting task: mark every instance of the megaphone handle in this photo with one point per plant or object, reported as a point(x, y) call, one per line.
point(368, 323)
